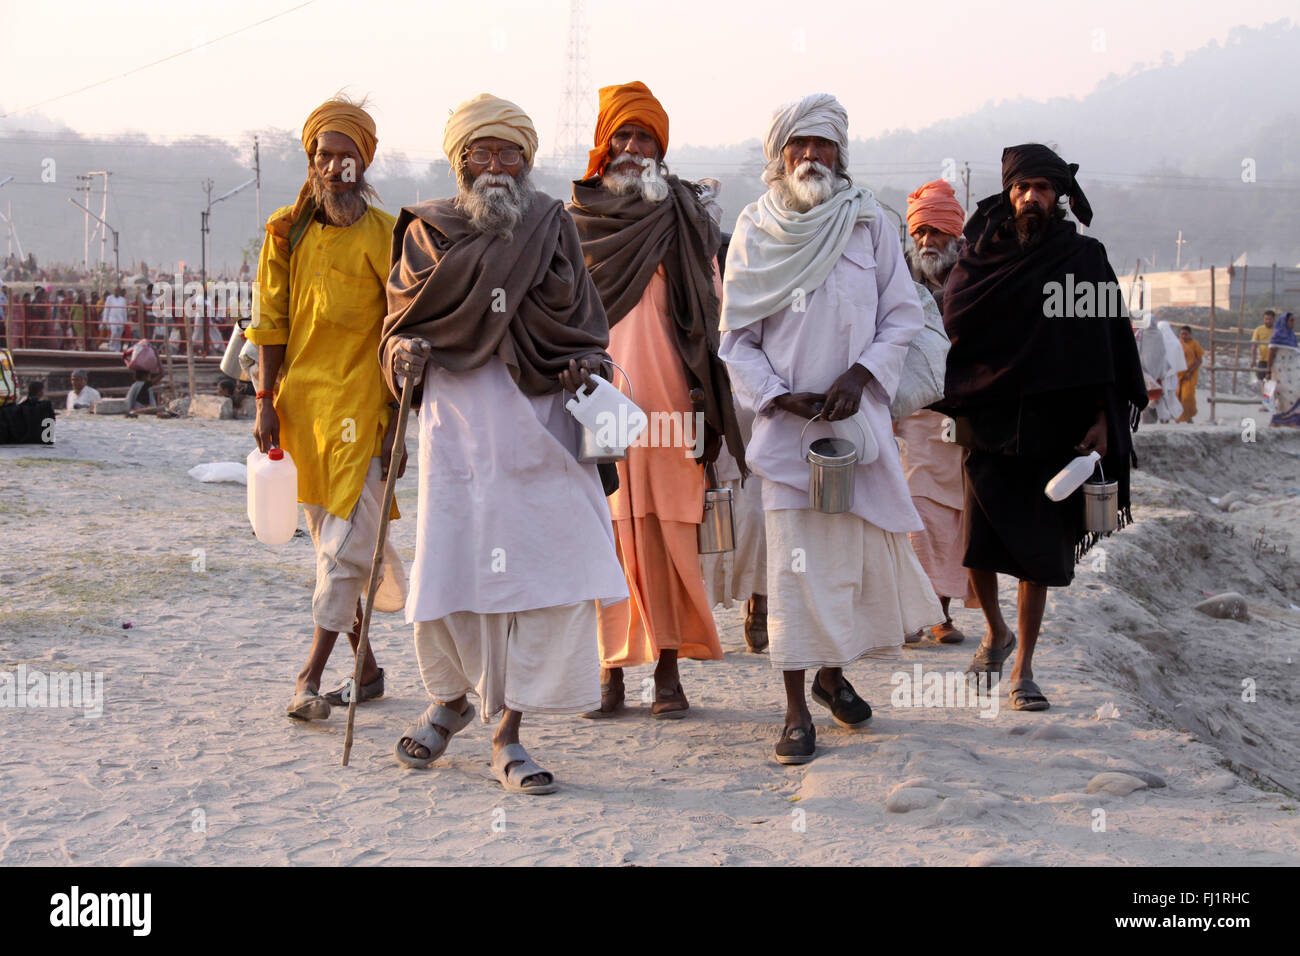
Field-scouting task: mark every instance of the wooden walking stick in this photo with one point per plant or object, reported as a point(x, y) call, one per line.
point(390, 487)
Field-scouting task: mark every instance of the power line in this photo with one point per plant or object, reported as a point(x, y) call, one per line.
point(197, 46)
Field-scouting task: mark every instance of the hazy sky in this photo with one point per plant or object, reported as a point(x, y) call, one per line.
point(719, 67)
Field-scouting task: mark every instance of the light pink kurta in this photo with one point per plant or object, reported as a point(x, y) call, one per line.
point(508, 519)
point(934, 475)
point(865, 312)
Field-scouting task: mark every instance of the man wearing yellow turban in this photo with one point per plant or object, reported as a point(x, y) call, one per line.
point(491, 316)
point(318, 313)
point(651, 246)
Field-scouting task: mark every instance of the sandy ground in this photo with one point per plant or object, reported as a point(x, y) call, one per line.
point(193, 761)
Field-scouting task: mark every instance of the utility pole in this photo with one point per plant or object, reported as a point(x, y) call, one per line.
point(965, 178)
point(117, 266)
point(85, 240)
point(1178, 262)
point(257, 175)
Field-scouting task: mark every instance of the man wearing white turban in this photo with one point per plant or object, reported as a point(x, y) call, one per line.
point(817, 313)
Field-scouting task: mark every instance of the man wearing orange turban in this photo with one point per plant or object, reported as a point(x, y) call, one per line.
point(317, 318)
point(651, 246)
point(931, 460)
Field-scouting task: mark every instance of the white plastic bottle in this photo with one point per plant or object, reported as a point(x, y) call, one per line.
point(1071, 478)
point(272, 495)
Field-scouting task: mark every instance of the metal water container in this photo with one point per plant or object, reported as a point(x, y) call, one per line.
point(830, 472)
point(1101, 506)
point(718, 528)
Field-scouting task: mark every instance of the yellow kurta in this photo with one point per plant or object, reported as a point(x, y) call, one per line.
point(327, 306)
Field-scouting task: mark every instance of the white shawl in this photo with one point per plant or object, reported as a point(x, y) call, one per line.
point(777, 255)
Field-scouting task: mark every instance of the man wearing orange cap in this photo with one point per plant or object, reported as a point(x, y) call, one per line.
point(651, 246)
point(931, 458)
point(317, 318)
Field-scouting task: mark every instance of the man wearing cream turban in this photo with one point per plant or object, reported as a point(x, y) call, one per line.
point(651, 247)
point(931, 458)
point(491, 315)
point(817, 313)
point(317, 318)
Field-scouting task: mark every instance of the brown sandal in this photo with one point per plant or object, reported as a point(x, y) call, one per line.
point(611, 702)
point(670, 708)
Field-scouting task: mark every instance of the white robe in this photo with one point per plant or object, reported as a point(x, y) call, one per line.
point(866, 311)
point(508, 519)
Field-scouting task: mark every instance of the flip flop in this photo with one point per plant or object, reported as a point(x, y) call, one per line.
point(524, 767)
point(424, 732)
point(1026, 695)
point(989, 660)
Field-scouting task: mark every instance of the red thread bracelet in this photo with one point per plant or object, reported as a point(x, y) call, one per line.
point(264, 393)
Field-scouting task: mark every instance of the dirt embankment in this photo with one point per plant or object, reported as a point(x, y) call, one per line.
point(1231, 683)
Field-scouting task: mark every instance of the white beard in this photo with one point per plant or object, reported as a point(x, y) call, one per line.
point(494, 210)
point(936, 265)
point(811, 184)
point(628, 174)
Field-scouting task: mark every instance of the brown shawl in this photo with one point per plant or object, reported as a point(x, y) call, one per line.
point(624, 240)
point(528, 301)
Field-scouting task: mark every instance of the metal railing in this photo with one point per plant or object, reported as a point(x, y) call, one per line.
point(86, 328)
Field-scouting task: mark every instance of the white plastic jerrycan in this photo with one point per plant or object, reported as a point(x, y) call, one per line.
point(272, 495)
point(608, 413)
point(1070, 478)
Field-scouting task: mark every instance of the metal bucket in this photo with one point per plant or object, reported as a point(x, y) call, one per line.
point(718, 528)
point(1101, 506)
point(591, 451)
point(830, 471)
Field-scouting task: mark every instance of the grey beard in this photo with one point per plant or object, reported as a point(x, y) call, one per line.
point(799, 192)
point(936, 266)
point(341, 209)
point(628, 175)
point(495, 211)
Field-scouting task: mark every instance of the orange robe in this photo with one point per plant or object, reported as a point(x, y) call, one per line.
point(658, 506)
point(1192, 351)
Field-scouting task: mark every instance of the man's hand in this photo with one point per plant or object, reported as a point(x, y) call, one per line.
point(1095, 438)
point(803, 404)
point(386, 456)
point(578, 374)
point(266, 428)
point(845, 395)
point(409, 358)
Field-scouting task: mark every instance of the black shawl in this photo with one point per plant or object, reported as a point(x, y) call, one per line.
point(1006, 349)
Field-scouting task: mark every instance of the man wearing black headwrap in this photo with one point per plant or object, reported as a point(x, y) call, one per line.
point(1030, 390)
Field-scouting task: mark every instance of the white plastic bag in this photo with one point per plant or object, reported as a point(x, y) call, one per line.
point(230, 471)
point(921, 383)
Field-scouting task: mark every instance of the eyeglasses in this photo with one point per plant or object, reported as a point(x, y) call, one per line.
point(509, 156)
